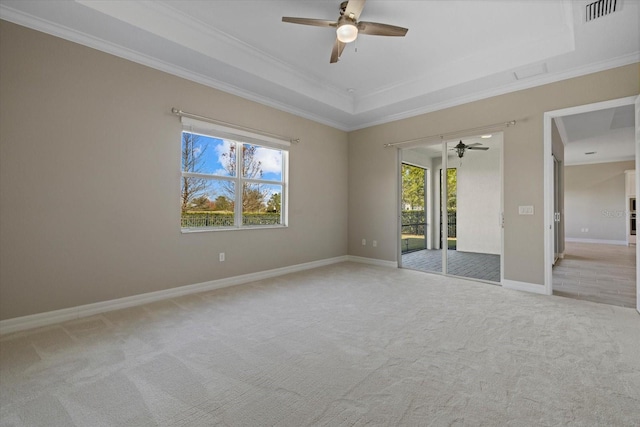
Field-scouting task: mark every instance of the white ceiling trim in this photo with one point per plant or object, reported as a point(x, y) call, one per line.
point(515, 86)
point(38, 24)
point(174, 25)
point(608, 160)
point(354, 108)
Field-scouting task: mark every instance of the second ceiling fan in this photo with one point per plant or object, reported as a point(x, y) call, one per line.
point(461, 147)
point(348, 27)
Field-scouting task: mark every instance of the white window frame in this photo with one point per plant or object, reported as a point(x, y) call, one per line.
point(241, 138)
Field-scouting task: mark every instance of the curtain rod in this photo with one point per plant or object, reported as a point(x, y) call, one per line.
point(451, 134)
point(181, 113)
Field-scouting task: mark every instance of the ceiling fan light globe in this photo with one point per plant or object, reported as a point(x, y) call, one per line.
point(347, 32)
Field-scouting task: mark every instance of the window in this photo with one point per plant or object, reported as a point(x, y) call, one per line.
point(231, 179)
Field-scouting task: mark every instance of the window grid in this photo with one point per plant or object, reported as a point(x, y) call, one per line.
point(243, 185)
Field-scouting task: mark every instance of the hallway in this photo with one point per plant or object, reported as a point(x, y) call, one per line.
point(598, 273)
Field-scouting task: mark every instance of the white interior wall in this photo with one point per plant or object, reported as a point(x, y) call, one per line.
point(478, 198)
point(595, 206)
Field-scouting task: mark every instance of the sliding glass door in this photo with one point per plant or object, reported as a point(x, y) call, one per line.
point(464, 198)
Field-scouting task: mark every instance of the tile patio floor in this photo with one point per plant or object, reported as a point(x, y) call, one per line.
point(464, 264)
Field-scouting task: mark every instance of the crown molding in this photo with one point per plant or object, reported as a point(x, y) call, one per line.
point(341, 115)
point(631, 158)
point(175, 25)
point(541, 80)
point(35, 23)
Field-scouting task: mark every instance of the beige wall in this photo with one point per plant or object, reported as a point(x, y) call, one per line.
point(89, 180)
point(595, 200)
point(89, 177)
point(373, 175)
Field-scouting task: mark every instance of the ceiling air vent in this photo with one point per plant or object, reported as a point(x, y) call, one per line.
point(601, 8)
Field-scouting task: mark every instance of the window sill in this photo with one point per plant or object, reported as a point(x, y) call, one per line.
point(247, 227)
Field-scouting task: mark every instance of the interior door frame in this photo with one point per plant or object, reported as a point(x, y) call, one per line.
point(548, 179)
point(556, 210)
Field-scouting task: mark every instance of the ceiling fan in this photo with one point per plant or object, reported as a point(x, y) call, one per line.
point(348, 27)
point(461, 147)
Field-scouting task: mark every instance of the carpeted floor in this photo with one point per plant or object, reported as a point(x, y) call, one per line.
point(344, 345)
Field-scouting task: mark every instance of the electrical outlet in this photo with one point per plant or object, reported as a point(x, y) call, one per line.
point(221, 256)
point(375, 243)
point(364, 242)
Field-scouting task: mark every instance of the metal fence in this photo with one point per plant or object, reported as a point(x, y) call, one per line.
point(451, 224)
point(214, 219)
point(414, 222)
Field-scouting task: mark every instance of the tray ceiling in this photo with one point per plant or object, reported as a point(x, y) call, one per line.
point(454, 52)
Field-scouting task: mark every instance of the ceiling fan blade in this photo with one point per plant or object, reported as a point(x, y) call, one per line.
point(307, 21)
point(354, 7)
point(477, 148)
point(338, 47)
point(377, 29)
point(474, 144)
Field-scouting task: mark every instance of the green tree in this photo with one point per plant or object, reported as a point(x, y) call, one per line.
point(223, 203)
point(200, 203)
point(192, 158)
point(452, 189)
point(274, 203)
point(413, 181)
point(252, 198)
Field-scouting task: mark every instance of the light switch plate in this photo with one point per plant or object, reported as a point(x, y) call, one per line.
point(525, 210)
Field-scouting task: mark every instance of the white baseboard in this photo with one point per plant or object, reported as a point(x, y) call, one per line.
point(373, 261)
point(524, 286)
point(63, 315)
point(596, 241)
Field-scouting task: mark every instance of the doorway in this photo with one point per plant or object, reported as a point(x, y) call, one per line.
point(588, 231)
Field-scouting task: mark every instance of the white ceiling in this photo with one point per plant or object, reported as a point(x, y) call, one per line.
point(455, 51)
point(602, 136)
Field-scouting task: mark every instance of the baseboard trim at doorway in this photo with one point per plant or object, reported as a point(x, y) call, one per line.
point(524, 286)
point(596, 241)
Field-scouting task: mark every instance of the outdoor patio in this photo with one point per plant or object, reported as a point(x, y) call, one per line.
point(464, 264)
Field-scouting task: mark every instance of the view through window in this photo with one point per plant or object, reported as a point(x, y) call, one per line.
point(230, 184)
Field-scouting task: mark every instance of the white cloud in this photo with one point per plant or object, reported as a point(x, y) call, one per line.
point(271, 160)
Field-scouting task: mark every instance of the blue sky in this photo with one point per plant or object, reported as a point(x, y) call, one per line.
point(213, 160)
